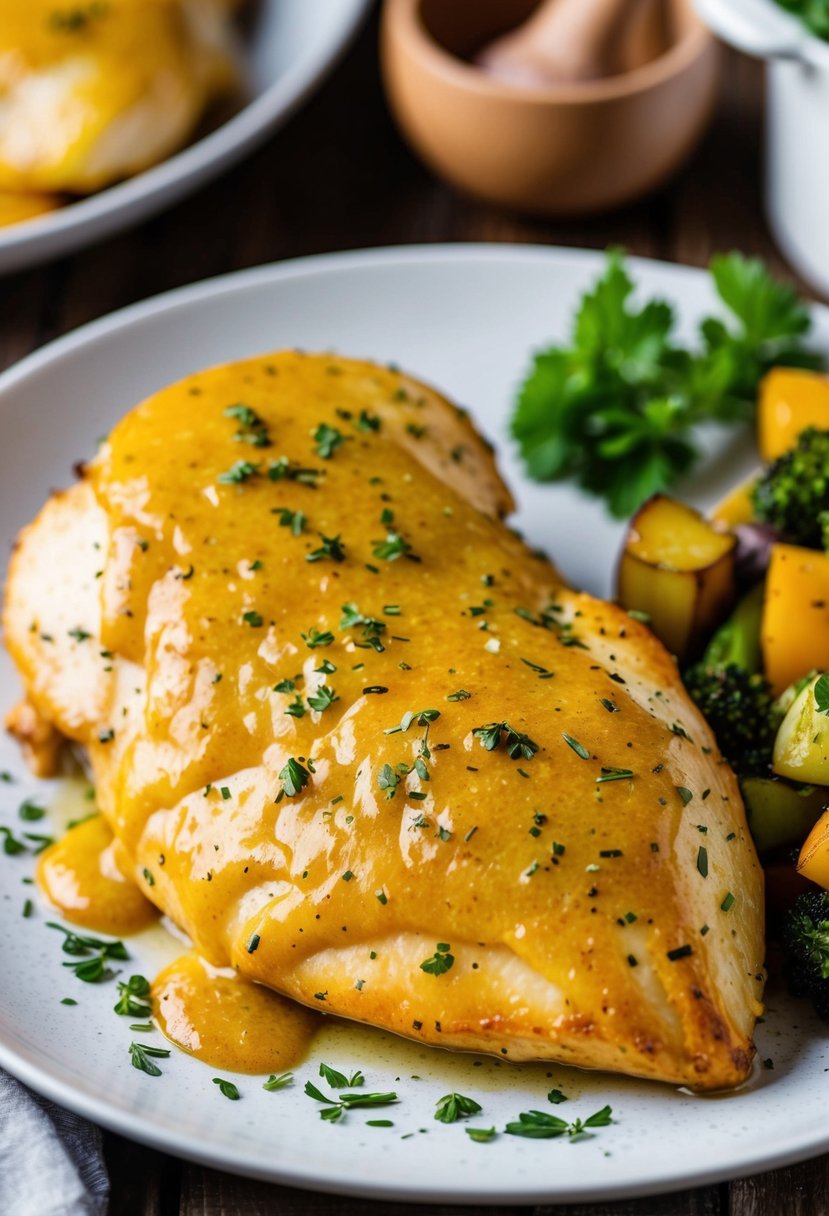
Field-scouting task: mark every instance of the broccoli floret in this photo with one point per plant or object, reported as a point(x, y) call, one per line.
point(732, 694)
point(794, 490)
point(740, 710)
point(806, 946)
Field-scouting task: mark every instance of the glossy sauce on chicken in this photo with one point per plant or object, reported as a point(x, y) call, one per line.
point(366, 748)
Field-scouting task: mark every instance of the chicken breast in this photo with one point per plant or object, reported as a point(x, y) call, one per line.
point(361, 743)
point(94, 92)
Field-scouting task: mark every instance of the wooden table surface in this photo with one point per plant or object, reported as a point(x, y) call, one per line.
point(339, 177)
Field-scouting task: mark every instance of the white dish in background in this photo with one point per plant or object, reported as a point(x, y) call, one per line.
point(465, 318)
point(797, 124)
point(291, 47)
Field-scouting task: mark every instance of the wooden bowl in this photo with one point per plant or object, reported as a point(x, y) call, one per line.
point(562, 150)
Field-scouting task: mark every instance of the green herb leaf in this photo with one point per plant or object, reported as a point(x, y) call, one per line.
point(275, 1082)
point(822, 695)
point(440, 962)
point(615, 409)
point(227, 1088)
point(452, 1107)
point(294, 777)
point(140, 1054)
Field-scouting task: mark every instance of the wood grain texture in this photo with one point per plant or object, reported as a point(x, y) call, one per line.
point(340, 177)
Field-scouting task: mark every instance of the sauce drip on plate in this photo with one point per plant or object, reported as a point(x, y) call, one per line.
point(230, 1022)
point(80, 877)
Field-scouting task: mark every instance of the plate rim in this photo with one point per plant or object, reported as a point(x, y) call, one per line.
point(757, 1160)
point(135, 200)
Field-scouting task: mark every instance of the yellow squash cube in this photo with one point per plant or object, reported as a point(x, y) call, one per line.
point(795, 631)
point(790, 400)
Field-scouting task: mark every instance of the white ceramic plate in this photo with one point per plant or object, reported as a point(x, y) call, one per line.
point(467, 319)
point(293, 44)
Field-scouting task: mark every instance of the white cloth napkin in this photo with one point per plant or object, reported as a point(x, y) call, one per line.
point(51, 1163)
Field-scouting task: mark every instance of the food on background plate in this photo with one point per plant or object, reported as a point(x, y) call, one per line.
point(95, 92)
point(366, 748)
point(763, 679)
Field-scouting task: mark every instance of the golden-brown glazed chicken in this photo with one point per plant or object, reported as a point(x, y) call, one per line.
point(92, 92)
point(360, 742)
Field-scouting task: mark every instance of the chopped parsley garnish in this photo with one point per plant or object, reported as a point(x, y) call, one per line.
point(391, 548)
point(679, 952)
point(323, 698)
point(610, 706)
point(518, 746)
point(539, 1125)
point(314, 638)
point(296, 709)
point(254, 619)
point(728, 903)
point(239, 472)
point(613, 774)
point(295, 520)
point(327, 439)
point(420, 717)
point(252, 428)
point(331, 549)
point(452, 1107)
point(283, 470)
point(294, 777)
point(339, 1080)
point(440, 962)
point(140, 1054)
point(702, 861)
point(275, 1082)
point(481, 1135)
point(11, 845)
point(821, 692)
point(134, 997)
point(94, 954)
point(460, 695)
point(685, 794)
point(227, 1089)
point(577, 747)
point(335, 1108)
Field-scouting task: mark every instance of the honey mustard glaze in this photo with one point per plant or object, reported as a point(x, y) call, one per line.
point(228, 1021)
point(366, 748)
point(80, 876)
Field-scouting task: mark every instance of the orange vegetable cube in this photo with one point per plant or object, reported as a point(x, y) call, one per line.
point(795, 630)
point(790, 400)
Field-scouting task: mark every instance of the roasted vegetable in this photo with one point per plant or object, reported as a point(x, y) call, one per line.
point(813, 862)
point(737, 507)
point(732, 693)
point(801, 749)
point(780, 813)
point(790, 401)
point(679, 569)
point(795, 633)
point(806, 946)
point(793, 492)
point(740, 710)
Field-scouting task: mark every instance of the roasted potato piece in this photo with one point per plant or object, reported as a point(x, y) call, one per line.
point(801, 749)
point(679, 569)
point(790, 400)
point(795, 633)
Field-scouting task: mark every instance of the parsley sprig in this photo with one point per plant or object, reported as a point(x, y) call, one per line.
point(334, 1108)
point(93, 953)
point(538, 1125)
point(616, 408)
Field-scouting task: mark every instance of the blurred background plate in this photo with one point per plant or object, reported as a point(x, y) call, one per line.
point(291, 46)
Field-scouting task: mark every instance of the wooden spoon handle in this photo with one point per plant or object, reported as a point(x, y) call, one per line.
point(568, 40)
